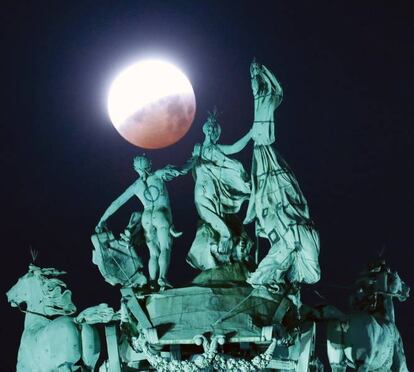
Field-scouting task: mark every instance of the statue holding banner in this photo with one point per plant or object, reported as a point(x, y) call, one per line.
point(277, 204)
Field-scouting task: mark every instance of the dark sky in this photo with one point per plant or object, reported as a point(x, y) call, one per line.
point(345, 127)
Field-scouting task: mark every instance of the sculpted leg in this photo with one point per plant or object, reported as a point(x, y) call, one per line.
point(165, 242)
point(219, 226)
point(153, 268)
point(164, 262)
point(152, 244)
point(399, 363)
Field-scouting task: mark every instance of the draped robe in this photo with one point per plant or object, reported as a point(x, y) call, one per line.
point(277, 204)
point(221, 186)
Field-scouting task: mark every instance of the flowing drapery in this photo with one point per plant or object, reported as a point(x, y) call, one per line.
point(277, 204)
point(221, 186)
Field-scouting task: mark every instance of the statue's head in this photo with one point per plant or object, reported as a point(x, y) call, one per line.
point(142, 164)
point(377, 280)
point(396, 286)
point(42, 292)
point(211, 128)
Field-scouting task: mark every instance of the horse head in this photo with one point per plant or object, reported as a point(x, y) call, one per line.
point(42, 292)
point(396, 287)
point(378, 280)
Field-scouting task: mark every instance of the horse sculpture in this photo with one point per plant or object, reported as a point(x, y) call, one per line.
point(368, 339)
point(51, 340)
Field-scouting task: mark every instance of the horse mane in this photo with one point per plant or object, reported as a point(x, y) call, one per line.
point(57, 299)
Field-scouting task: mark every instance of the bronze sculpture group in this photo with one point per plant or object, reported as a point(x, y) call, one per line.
point(263, 311)
point(276, 203)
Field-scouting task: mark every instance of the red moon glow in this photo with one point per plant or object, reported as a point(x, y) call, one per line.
point(152, 104)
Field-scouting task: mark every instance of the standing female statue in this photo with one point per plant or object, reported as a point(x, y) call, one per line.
point(277, 204)
point(221, 186)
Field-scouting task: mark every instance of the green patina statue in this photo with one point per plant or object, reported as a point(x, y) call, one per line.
point(221, 186)
point(276, 203)
point(263, 325)
point(156, 217)
point(52, 339)
point(367, 338)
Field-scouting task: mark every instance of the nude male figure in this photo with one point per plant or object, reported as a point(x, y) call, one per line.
point(156, 218)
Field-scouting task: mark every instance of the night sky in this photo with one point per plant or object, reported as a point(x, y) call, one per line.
point(345, 127)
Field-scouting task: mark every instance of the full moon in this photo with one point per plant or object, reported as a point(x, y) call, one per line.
point(151, 104)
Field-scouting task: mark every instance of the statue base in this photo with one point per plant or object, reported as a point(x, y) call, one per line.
point(178, 323)
point(241, 314)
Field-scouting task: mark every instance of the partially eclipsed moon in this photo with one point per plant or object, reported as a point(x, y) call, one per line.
point(151, 104)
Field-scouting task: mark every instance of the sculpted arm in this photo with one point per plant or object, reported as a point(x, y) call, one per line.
point(273, 81)
point(170, 172)
point(191, 163)
point(237, 146)
point(118, 203)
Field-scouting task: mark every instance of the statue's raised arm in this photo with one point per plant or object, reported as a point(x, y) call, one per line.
point(237, 146)
point(170, 172)
point(267, 94)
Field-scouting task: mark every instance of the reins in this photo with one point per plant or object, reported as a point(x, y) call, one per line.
point(29, 311)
